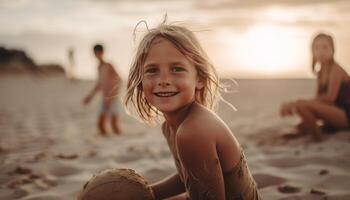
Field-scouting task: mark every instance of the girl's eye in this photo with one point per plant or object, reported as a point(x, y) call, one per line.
point(177, 69)
point(151, 70)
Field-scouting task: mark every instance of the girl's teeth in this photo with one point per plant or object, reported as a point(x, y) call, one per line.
point(165, 94)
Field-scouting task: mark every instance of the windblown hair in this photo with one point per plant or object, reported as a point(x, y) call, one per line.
point(184, 41)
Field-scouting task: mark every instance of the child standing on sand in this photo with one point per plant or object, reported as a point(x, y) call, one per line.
point(172, 77)
point(108, 83)
point(332, 101)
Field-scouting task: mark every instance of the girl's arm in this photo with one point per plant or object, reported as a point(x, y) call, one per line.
point(333, 87)
point(168, 187)
point(198, 155)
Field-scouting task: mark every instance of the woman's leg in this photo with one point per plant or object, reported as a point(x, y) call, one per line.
point(312, 110)
point(330, 114)
point(309, 120)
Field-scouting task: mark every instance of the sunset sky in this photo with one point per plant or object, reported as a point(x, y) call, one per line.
point(243, 38)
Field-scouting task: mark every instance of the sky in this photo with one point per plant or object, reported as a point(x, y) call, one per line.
point(243, 38)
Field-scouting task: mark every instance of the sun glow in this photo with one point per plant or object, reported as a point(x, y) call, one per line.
point(269, 49)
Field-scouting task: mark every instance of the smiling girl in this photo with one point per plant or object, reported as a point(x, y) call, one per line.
point(171, 77)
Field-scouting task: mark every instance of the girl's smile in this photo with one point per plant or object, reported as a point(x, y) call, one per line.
point(165, 94)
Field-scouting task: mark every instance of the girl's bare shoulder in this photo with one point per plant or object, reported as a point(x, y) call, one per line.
point(339, 72)
point(204, 123)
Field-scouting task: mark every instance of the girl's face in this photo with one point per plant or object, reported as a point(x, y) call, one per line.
point(322, 50)
point(170, 80)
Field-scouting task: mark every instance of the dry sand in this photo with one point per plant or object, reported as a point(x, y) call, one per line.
point(49, 145)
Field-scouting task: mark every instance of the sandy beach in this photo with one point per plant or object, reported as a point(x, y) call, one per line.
point(49, 146)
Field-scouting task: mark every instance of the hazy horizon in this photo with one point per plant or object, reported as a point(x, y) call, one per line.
point(244, 39)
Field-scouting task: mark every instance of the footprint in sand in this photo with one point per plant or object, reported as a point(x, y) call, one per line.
point(288, 189)
point(20, 170)
point(317, 191)
point(323, 172)
point(67, 156)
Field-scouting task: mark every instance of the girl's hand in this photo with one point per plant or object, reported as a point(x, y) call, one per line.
point(287, 109)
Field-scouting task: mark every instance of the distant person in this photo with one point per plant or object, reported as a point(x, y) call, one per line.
point(172, 77)
point(108, 83)
point(331, 105)
point(71, 63)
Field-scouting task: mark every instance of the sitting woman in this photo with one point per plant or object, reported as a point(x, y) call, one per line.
point(332, 102)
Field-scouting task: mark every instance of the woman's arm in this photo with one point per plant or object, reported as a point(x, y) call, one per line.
point(168, 187)
point(198, 155)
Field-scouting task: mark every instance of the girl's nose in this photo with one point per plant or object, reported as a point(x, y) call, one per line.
point(163, 80)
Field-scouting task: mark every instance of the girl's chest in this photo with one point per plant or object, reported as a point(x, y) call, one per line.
point(171, 140)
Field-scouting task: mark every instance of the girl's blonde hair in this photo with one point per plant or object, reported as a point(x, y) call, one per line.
point(185, 42)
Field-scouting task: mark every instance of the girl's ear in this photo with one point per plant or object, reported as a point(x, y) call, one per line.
point(199, 84)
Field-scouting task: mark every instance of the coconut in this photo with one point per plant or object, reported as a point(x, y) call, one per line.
point(116, 184)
